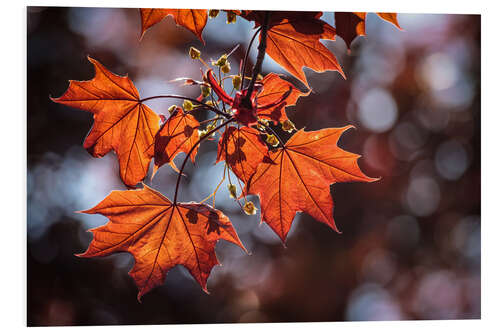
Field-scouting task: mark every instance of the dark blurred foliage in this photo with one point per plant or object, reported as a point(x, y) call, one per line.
point(410, 243)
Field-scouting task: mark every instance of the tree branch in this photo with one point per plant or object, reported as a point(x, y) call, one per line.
point(260, 58)
point(243, 72)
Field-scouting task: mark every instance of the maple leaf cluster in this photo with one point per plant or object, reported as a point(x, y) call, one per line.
point(287, 177)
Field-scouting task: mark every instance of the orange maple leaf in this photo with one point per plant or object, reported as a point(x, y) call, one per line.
point(192, 19)
point(390, 17)
point(298, 177)
point(350, 25)
point(178, 134)
point(243, 151)
point(273, 88)
point(293, 41)
point(160, 235)
point(121, 122)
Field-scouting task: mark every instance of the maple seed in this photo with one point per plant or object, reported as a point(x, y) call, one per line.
point(232, 190)
point(237, 82)
point(187, 105)
point(194, 53)
point(249, 208)
point(172, 109)
point(288, 126)
point(226, 68)
point(231, 17)
point(212, 13)
point(272, 140)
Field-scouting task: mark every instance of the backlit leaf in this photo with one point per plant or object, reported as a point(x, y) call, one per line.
point(390, 17)
point(350, 25)
point(121, 122)
point(293, 41)
point(192, 19)
point(160, 235)
point(243, 150)
point(178, 134)
point(297, 178)
point(273, 89)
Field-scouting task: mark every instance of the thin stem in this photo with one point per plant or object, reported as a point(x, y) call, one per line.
point(216, 189)
point(221, 83)
point(260, 58)
point(194, 100)
point(209, 120)
point(244, 68)
point(229, 178)
point(191, 151)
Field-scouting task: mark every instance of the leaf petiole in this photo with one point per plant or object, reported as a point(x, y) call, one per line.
point(209, 107)
point(231, 119)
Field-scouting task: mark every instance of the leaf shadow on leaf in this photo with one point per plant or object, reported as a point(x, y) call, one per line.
point(213, 222)
point(275, 114)
point(316, 28)
point(163, 140)
point(238, 155)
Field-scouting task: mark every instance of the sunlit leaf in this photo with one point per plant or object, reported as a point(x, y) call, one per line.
point(160, 235)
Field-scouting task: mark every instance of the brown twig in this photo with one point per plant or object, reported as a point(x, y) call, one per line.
point(191, 151)
point(260, 58)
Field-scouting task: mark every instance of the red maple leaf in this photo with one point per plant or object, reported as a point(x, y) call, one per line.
point(121, 122)
point(159, 234)
point(179, 133)
point(293, 41)
point(192, 19)
point(298, 177)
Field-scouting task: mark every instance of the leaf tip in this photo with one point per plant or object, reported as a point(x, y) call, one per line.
point(341, 72)
point(205, 289)
point(143, 31)
point(89, 58)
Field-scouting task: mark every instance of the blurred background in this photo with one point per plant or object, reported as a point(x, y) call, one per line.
point(410, 245)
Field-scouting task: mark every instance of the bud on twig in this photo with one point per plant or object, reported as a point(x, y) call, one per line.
point(272, 140)
point(187, 105)
point(237, 82)
point(249, 208)
point(205, 90)
point(231, 17)
point(226, 68)
point(221, 61)
point(232, 190)
point(172, 109)
point(194, 53)
point(288, 126)
point(212, 13)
